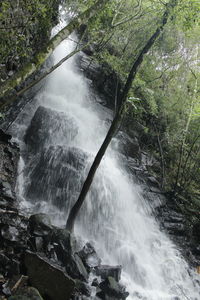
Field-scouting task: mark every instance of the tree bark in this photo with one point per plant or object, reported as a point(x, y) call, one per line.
point(117, 119)
point(42, 55)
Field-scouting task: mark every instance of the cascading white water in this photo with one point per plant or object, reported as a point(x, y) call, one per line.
point(114, 216)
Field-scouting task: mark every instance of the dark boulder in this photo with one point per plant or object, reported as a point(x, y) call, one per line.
point(196, 231)
point(127, 145)
point(89, 256)
point(13, 229)
point(153, 181)
point(177, 229)
point(51, 281)
point(108, 271)
point(66, 240)
point(65, 247)
point(103, 79)
point(111, 289)
point(9, 153)
point(10, 233)
point(40, 224)
point(4, 137)
point(57, 177)
point(83, 288)
point(49, 127)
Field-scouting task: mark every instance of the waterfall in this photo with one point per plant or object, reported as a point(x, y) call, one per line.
point(65, 129)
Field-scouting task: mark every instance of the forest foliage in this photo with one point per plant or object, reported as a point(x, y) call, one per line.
point(24, 28)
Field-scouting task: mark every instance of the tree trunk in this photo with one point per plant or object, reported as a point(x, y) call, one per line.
point(117, 119)
point(42, 55)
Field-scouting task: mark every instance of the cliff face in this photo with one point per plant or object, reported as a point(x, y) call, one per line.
point(25, 27)
point(9, 153)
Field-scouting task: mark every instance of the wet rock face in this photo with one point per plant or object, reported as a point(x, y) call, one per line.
point(89, 257)
point(107, 271)
point(56, 167)
point(111, 289)
point(104, 80)
point(128, 146)
point(57, 176)
point(47, 278)
point(9, 153)
point(13, 235)
point(49, 126)
point(40, 224)
point(14, 239)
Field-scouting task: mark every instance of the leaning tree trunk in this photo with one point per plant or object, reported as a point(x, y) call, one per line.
point(117, 119)
point(42, 55)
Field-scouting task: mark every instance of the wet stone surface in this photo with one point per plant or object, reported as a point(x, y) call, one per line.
point(60, 128)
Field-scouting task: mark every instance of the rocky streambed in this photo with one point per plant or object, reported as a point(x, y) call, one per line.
point(39, 260)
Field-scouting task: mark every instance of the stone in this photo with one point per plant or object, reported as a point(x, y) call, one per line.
point(95, 282)
point(196, 230)
point(6, 289)
point(52, 282)
point(66, 240)
point(49, 127)
point(66, 248)
point(72, 264)
point(4, 260)
point(10, 233)
point(175, 228)
point(2, 279)
point(14, 268)
point(111, 288)
point(4, 137)
point(84, 288)
point(103, 80)
point(80, 269)
point(106, 271)
point(28, 293)
point(128, 146)
point(39, 244)
point(8, 165)
point(57, 176)
point(89, 256)
point(40, 224)
point(152, 180)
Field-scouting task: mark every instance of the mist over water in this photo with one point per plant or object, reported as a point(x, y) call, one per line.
point(115, 217)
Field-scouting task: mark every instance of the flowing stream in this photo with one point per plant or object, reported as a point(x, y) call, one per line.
point(64, 135)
